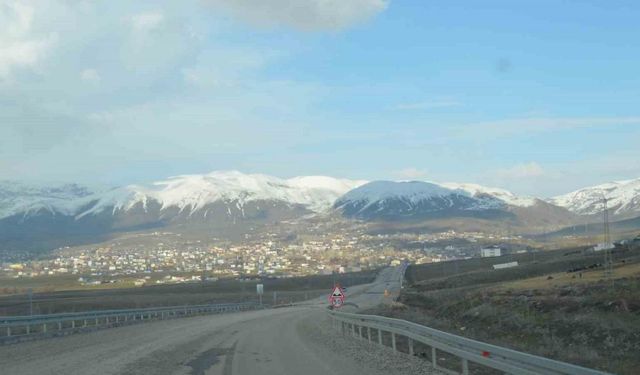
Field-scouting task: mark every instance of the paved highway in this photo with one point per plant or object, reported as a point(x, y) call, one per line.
point(293, 340)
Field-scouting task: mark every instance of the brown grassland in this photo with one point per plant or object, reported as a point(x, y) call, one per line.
point(538, 307)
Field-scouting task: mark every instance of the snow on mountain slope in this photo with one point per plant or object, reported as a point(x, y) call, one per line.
point(501, 194)
point(412, 191)
point(321, 191)
point(408, 199)
point(417, 200)
point(23, 198)
point(623, 199)
point(487, 197)
point(193, 192)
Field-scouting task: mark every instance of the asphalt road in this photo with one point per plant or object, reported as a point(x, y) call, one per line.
point(293, 340)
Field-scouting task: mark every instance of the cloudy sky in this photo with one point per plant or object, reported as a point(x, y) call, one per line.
point(540, 97)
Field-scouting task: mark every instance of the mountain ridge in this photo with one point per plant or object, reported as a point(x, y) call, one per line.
point(623, 199)
point(222, 202)
point(317, 193)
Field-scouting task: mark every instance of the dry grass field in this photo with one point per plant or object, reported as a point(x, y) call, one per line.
point(57, 300)
point(537, 307)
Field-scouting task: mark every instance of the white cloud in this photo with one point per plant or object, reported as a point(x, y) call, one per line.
point(90, 76)
point(410, 173)
point(523, 170)
point(19, 48)
point(427, 105)
point(306, 15)
point(147, 21)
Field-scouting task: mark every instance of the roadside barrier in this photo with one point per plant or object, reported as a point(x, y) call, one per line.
point(21, 328)
point(468, 350)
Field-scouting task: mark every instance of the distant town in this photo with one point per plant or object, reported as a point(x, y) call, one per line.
point(166, 257)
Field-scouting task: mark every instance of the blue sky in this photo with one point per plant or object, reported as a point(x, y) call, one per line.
point(539, 97)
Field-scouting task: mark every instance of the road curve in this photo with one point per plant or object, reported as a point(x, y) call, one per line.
point(293, 340)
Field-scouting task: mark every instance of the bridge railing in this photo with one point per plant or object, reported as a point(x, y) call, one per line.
point(18, 328)
point(468, 350)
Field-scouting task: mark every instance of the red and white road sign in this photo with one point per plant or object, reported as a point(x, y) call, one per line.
point(336, 298)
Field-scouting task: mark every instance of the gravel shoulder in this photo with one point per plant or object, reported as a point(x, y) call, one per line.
point(318, 332)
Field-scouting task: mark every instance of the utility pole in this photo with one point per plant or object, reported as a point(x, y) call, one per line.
point(608, 257)
point(586, 231)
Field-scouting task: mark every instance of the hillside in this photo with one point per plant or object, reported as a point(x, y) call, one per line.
point(538, 307)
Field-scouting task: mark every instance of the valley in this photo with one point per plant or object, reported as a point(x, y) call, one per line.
point(230, 225)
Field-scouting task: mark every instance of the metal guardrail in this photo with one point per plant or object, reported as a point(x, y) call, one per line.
point(468, 350)
point(19, 328)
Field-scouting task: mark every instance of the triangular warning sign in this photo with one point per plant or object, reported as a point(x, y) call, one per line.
point(337, 292)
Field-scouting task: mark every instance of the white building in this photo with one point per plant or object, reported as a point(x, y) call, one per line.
point(603, 246)
point(505, 265)
point(491, 251)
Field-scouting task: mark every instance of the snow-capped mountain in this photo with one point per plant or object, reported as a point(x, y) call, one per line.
point(320, 192)
point(193, 193)
point(505, 196)
point(217, 202)
point(224, 202)
point(410, 199)
point(23, 198)
point(416, 200)
point(229, 194)
point(623, 199)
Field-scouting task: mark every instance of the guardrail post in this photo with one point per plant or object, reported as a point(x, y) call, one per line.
point(434, 358)
point(379, 336)
point(59, 326)
point(410, 346)
point(8, 331)
point(85, 323)
point(393, 341)
point(465, 366)
point(44, 327)
point(359, 332)
point(369, 334)
point(73, 324)
point(28, 329)
point(353, 329)
point(96, 322)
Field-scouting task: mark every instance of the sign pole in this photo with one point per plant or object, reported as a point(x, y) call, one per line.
point(30, 291)
point(260, 291)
